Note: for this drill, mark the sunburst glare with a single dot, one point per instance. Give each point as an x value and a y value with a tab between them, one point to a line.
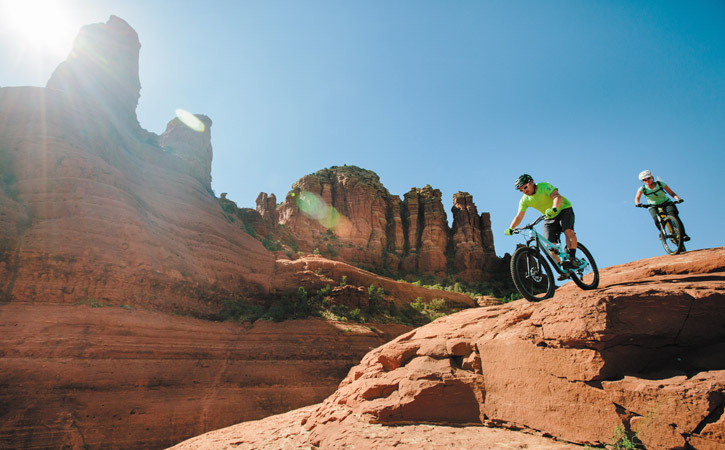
38	25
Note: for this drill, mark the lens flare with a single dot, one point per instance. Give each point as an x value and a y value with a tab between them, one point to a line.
190	120
315	207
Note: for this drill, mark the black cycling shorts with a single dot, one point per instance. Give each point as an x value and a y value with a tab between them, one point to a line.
554	227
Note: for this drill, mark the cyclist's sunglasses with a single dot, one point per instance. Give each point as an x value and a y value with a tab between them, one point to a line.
524	186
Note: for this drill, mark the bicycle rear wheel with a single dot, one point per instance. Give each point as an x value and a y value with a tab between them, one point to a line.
587	275
672	237
531	274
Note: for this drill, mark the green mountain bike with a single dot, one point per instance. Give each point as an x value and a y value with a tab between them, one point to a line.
532	274
670	227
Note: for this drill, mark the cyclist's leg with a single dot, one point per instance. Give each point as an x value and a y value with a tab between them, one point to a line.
552	230
566	221
653	213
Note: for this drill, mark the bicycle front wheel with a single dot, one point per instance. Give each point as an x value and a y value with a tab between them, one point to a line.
672	238
587	275
531	274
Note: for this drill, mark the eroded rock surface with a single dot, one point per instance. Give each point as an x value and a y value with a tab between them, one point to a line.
644	352
76	376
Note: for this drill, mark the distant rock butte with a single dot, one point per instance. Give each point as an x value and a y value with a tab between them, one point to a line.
645	352
346	213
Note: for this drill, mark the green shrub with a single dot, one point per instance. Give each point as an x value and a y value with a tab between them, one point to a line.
434	309
271	244
622	440
240	311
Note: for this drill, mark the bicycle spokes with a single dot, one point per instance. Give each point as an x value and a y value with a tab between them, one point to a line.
586	276
672	235
531	275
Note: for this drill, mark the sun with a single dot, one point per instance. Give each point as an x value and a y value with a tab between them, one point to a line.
39	25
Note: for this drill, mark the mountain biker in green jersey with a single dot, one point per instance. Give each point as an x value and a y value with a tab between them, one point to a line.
656	193
557	209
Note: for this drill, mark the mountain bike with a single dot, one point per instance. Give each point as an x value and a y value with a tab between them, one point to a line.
670	227
532	275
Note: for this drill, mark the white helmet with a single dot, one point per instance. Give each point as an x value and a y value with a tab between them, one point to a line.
644	174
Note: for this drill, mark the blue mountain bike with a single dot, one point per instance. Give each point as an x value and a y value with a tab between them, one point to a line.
532	275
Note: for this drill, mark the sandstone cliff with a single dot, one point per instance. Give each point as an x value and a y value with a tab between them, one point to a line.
346	213
95	207
94	376
644	353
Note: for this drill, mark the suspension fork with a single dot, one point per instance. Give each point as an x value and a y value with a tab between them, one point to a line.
661	214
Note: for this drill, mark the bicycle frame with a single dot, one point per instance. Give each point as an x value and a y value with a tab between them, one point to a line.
548	246
661	213
660	218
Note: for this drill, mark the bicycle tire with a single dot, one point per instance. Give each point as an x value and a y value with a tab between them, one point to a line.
531	274
589	280
672	235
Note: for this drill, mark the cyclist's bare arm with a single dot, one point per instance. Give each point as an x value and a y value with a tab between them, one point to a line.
557	198
517	220
672	194
637	197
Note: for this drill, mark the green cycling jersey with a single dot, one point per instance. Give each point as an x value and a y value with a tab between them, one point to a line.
541	199
657	195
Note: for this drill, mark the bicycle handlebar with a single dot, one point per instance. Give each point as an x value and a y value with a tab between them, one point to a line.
668	202
527	227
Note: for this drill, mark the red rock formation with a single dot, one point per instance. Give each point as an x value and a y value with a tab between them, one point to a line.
267	208
94	207
346	213
428	238
644	352
102	71
340	211
468	252
76	376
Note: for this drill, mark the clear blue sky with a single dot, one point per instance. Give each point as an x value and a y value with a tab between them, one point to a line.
461	95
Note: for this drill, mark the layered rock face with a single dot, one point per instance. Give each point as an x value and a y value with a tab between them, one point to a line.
94	207
643	353
346	213
74	376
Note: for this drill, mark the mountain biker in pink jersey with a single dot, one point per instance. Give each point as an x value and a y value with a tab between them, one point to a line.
557	209
656	193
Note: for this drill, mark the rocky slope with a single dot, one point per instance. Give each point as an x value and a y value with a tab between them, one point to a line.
644	352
